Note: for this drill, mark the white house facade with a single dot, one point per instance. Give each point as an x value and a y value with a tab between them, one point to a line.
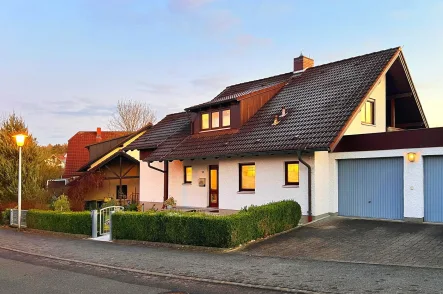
347	138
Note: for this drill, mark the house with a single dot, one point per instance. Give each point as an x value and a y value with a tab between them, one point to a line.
77	154
57	160
118	170
347	137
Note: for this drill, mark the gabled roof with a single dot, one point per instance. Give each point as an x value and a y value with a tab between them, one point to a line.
112	147
233	92
77	154
165	129
118	154
319	102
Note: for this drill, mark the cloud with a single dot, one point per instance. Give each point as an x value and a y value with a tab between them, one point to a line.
217	82
156	88
222	21
247	40
77	106
184	5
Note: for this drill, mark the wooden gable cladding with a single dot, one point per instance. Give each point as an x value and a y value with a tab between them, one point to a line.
251	103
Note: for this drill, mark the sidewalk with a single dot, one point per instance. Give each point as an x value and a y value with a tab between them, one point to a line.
234	267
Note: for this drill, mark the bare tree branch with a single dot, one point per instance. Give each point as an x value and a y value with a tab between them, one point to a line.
131	116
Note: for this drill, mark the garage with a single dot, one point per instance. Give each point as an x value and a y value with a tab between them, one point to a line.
371	188
433	188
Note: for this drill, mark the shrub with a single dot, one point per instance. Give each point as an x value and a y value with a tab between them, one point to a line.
62	203
207	230
4	217
57	221
132	207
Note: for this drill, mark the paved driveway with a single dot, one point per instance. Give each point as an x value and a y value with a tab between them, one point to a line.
355	240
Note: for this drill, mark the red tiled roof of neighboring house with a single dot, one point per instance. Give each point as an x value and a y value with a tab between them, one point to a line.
77	154
319	102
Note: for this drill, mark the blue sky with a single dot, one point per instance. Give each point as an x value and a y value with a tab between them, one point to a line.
65	64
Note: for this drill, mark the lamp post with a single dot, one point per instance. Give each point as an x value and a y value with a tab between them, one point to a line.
20	140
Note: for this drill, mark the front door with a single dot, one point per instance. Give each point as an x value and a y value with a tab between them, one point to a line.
213	186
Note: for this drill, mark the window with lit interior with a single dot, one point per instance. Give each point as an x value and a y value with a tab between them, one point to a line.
188	174
247	176
291	173
205	121
216	119
367	112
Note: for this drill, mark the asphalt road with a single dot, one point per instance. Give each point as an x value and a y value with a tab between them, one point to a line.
147	265
21	273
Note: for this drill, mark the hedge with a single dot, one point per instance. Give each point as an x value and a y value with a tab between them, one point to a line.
207	230
65	222
4	217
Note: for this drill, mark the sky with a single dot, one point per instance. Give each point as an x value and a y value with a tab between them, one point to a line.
65	64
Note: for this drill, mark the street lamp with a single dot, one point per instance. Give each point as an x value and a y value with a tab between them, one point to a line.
20	140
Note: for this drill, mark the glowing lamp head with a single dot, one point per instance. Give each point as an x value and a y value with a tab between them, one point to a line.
20	139
411	156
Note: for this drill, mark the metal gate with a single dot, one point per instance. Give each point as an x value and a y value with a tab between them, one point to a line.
105	218
433	188
371	188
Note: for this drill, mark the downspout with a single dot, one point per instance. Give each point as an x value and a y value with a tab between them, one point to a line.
299	154
165	172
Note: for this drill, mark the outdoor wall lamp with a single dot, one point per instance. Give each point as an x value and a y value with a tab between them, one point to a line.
411	156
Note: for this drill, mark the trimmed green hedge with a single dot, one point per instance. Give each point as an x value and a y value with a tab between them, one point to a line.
65	222
204	229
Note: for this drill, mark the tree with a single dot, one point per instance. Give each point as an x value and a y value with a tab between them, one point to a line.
31	162
131	116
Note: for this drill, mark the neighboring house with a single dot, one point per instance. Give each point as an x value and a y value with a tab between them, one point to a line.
78	155
120	170
57	160
347	137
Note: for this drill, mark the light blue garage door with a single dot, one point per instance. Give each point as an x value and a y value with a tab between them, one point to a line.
371	188
433	187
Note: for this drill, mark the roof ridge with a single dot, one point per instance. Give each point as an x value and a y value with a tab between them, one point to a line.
354	57
286	73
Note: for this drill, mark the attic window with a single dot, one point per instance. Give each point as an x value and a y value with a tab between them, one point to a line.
215	119
367	112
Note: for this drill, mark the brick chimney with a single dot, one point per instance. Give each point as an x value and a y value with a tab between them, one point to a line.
302	62
99	135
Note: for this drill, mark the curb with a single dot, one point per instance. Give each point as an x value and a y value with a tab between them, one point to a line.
164	275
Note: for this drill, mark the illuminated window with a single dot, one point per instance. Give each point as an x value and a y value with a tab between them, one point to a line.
205	121
215	120
188	174
291	173
247	177
367	112
226	118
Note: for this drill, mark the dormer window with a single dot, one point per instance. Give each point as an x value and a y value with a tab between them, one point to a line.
216	119
205	121
226	118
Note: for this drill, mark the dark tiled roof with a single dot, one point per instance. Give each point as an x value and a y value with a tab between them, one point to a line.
319	102
78	155
160	132
233	92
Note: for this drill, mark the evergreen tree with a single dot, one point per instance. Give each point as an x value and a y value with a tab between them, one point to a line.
31	162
